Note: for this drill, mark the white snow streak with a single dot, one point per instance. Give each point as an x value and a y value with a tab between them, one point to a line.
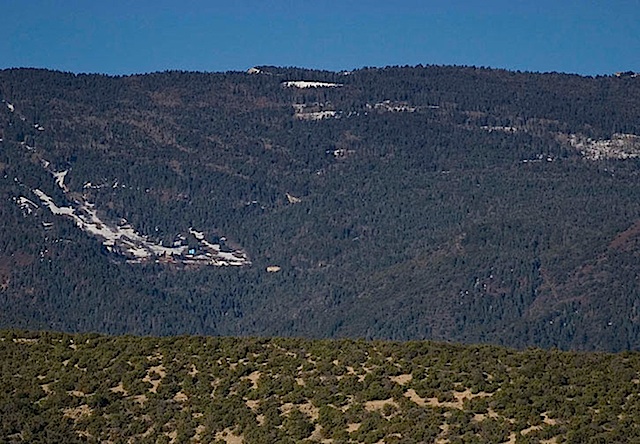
60	179
306	84
125	240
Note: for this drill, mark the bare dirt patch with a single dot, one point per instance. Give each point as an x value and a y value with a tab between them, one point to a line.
412	395
199	432
401	379
379	405
479	417
308	409
548	420
119	389
444	430
140	399
227	436
253	377
172	435
252	403
155	382
460	397
77	393
180	397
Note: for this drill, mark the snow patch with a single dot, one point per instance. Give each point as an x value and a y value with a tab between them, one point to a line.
213	254
293	199
392	106
315	111
26	205
307	84
125	240
197	234
504	129
48	202
620	146
60	179
319	115
125	237
340	153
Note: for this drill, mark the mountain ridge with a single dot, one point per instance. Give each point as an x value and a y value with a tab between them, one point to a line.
433	202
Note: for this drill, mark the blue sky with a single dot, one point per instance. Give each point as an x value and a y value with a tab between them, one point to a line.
124	37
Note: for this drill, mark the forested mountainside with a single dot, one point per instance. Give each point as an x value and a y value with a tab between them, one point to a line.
58	387
453	203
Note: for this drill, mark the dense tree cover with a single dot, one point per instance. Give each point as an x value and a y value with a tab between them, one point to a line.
438	202
58	387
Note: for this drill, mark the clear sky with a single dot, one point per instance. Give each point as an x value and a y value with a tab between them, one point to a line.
122	37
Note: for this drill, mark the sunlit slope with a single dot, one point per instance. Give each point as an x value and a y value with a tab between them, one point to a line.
90	388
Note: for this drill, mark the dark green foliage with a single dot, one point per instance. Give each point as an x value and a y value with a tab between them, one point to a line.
194	389
441	203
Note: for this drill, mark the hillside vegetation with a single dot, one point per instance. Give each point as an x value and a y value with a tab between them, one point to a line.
89	388
448	203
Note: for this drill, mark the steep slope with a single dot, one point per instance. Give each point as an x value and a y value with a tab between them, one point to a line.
405	203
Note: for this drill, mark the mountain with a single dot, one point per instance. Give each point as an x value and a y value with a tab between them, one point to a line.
449	203
89	388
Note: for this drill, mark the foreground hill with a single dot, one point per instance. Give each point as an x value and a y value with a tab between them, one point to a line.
401	203
90	388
